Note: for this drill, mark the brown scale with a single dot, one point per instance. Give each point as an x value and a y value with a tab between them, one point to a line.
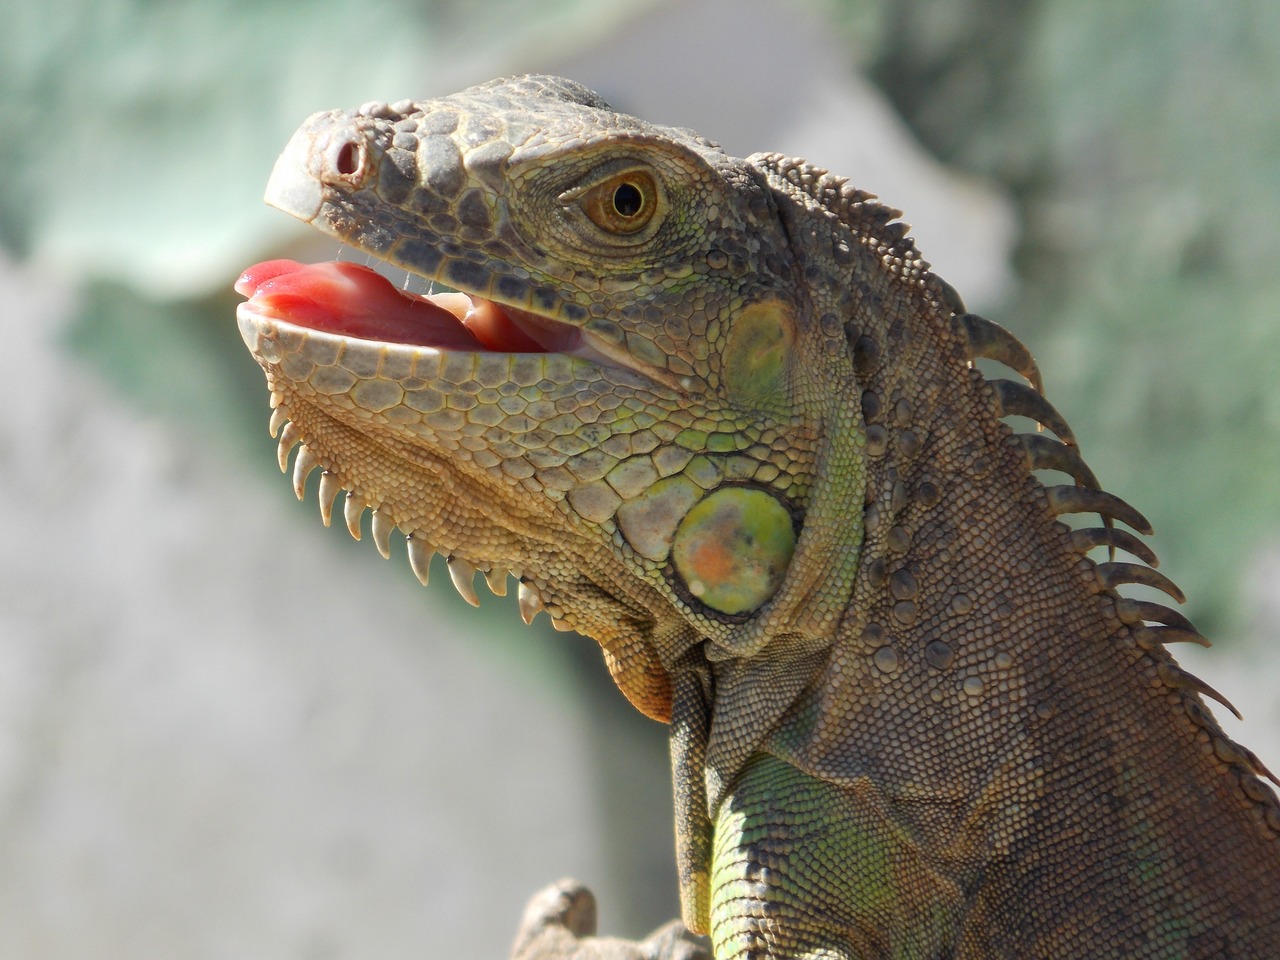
1138	631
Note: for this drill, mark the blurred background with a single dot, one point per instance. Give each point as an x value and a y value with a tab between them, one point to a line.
227	732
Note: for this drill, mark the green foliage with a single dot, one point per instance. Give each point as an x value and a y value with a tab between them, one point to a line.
135	135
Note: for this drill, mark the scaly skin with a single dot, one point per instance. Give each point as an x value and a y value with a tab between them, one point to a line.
911	717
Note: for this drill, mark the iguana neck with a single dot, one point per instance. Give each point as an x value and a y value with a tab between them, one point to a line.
971	594
865	468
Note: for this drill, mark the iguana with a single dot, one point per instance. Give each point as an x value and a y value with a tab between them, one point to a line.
719	415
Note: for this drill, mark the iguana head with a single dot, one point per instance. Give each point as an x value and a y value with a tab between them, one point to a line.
637	408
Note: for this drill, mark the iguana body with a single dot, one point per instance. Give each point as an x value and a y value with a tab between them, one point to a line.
718	415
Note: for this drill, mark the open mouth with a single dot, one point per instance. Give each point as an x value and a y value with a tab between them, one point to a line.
350	300
356	301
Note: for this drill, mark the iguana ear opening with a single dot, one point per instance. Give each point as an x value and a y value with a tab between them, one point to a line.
732	550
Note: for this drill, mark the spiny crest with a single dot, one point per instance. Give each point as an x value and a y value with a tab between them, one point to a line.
420	551
1151	626
877	225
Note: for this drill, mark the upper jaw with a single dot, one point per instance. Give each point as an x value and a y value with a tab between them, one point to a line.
327	176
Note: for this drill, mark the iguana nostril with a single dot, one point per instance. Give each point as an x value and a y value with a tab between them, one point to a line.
346	158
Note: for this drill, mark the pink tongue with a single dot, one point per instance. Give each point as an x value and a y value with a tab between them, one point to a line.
351	300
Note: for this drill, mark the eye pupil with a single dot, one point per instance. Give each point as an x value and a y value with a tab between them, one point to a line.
627	200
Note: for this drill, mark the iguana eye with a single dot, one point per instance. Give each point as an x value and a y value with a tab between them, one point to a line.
623	204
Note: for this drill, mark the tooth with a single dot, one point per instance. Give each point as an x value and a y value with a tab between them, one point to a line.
303	464
382	527
496	578
461	572
278	420
530	601
288	437
277	398
352	511
329	487
420	554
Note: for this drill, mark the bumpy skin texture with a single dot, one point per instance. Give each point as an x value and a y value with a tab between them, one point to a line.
911	714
